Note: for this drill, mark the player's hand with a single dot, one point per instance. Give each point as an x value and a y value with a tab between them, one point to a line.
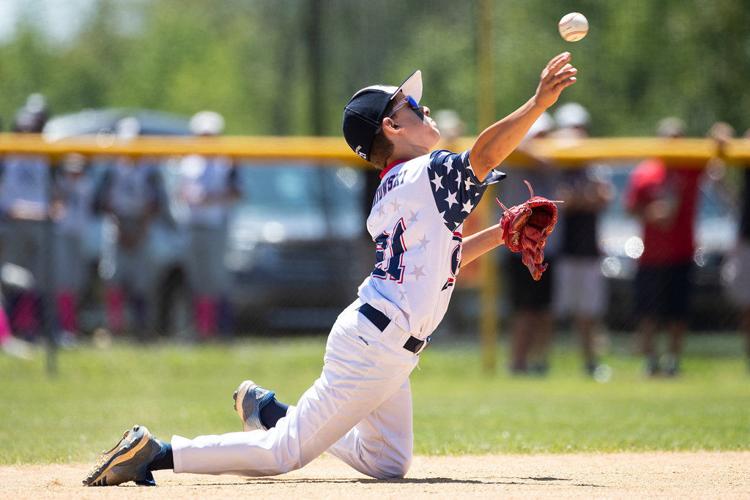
558	75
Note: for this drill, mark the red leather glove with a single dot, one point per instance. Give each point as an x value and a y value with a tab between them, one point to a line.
526	228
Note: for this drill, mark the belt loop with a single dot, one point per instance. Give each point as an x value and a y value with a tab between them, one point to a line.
415	345
381	322
377	318
424	345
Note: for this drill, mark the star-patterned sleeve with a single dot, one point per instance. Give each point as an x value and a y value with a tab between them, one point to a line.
455	188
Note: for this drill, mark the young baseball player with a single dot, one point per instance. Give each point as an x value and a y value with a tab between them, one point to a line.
24	208
360	408
131	194
209	186
72	195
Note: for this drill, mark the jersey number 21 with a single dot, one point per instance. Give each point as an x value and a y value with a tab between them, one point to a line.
389	250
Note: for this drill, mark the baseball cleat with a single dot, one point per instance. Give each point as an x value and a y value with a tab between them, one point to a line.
249	399
127	461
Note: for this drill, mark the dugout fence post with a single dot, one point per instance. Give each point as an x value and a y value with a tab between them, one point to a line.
489	285
48	281
48	308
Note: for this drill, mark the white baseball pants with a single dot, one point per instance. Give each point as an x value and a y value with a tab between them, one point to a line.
360	410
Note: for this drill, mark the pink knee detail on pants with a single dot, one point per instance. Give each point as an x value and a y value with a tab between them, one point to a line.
115	300
206	309
5	331
25	315
66	310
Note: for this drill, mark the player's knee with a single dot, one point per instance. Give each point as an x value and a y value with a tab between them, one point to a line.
395	471
395	467
288	465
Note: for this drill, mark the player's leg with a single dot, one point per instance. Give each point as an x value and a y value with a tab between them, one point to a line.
382	444
738	267
23	315
206	269
564	288
8	343
590	309
142	286
363	368
40	250
112	268
542	323
648	294
197	274
582	320
520	342
677	294
569	291
521	298
36	253
67	271
221	282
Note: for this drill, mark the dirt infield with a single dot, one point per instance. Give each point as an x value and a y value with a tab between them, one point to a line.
666	475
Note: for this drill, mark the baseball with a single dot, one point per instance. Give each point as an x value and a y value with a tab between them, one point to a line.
573	26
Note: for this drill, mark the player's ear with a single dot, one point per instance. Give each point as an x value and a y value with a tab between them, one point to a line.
390	127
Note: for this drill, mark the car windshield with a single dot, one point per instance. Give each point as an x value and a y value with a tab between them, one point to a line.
277	188
303	194
95	121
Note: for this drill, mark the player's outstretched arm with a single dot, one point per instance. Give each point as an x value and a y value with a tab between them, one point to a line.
497	141
477	244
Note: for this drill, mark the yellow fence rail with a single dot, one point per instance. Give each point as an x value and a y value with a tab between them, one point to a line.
334	149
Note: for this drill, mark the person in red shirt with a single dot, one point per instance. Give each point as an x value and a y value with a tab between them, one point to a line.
664	199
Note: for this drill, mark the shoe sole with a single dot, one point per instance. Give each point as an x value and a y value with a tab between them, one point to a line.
117	457
239	397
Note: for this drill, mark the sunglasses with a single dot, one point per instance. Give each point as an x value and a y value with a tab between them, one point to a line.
413	105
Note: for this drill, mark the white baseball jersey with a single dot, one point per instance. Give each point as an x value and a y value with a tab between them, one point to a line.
202	176
25	179
76	195
416	222
132	188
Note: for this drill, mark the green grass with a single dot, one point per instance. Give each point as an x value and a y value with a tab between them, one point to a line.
457	409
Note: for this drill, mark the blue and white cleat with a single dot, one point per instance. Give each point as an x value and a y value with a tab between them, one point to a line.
249	399
127	461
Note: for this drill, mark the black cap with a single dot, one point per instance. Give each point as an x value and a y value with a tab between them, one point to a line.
364	112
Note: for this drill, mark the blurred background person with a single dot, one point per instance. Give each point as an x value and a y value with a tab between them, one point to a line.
451	127
131	193
9	344
580	288
737	269
24	203
664	200
209	186
532	324
72	196
6	334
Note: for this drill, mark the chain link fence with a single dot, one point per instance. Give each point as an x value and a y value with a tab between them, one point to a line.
200	247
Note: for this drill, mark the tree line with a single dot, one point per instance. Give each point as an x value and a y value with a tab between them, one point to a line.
289	66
